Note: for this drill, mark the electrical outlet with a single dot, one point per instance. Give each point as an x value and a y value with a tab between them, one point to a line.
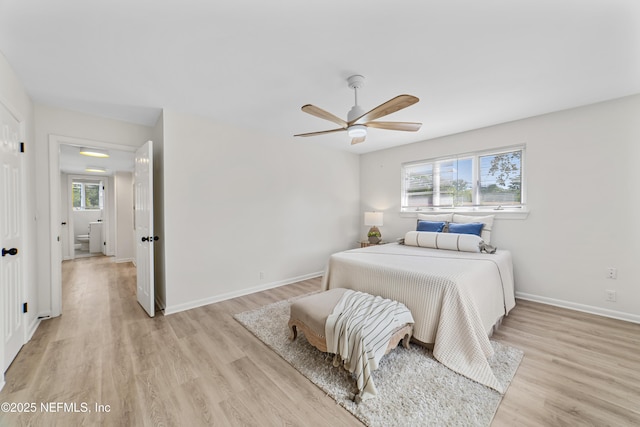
611	295
261	275
612	273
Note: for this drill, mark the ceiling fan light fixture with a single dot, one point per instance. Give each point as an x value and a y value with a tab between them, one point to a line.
357	131
94	152
358	120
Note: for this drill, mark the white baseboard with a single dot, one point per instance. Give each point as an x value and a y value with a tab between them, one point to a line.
620	315
239	293
30	331
123	260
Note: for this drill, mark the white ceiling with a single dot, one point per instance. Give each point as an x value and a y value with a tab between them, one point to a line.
72	162
255	63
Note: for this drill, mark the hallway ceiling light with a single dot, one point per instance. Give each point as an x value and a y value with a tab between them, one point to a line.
96	169
94	152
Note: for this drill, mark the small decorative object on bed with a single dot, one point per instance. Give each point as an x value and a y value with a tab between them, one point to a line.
373	219
448	241
456	298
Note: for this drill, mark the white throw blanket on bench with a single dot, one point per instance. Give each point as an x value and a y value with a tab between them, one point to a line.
359	330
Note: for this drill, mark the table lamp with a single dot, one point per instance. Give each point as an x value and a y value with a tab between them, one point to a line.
373	219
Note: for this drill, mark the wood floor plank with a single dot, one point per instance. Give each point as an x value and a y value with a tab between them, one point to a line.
201	367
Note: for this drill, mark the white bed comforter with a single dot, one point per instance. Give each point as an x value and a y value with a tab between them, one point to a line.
455	297
358	331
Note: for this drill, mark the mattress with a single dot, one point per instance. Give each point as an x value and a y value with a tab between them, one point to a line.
455	297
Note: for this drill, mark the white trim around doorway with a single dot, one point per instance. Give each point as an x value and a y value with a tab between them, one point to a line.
55	141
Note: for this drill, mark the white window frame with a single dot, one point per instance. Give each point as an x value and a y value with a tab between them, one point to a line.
83	206
519	208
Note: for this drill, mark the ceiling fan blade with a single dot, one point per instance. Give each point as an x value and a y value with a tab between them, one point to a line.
391	106
319	112
320	133
405	126
358	140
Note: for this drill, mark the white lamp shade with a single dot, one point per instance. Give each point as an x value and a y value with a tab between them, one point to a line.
373	218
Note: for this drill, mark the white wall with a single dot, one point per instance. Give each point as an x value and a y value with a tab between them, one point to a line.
238	203
561	251
81	220
123	224
56	121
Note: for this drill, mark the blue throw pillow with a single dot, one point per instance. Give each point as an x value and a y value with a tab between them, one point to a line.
466	228
433	226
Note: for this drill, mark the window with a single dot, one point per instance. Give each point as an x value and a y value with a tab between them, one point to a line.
472	180
87	195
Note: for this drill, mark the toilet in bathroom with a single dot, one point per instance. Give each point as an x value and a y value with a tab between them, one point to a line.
82	242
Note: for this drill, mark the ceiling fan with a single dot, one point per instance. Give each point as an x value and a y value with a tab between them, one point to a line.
358	120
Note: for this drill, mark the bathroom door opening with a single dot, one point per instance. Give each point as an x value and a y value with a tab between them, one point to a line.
118	204
87	216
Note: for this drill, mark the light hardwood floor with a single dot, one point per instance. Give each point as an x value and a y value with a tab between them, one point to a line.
201	367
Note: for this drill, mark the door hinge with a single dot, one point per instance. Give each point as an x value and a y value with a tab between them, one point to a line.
22	147
25	307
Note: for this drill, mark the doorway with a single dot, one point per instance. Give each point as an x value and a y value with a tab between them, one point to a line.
114	176
87	208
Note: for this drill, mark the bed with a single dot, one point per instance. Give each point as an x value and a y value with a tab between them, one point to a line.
456	298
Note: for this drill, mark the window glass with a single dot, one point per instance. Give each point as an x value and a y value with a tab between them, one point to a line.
501	179
77	195
87	195
473	179
92	196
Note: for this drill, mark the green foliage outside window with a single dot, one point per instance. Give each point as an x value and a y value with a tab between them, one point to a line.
473	179
86	196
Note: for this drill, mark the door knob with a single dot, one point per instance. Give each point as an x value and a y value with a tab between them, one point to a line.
155	238
12	251
145	239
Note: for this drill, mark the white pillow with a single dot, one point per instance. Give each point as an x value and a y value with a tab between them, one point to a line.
449	241
436	217
486	220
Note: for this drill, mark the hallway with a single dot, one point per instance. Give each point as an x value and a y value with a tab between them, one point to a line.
198	367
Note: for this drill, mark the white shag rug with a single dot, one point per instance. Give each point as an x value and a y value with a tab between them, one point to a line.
413	388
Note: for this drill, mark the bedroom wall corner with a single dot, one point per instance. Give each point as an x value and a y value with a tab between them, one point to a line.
245	211
57	121
582	195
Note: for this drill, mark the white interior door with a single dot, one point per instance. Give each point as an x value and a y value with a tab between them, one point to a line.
143	185
11	279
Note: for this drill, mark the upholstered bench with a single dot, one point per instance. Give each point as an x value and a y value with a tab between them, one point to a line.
309	314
